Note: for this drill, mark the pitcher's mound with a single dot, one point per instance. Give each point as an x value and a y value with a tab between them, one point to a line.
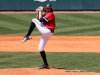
36	71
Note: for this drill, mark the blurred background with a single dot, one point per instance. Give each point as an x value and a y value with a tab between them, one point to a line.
59	5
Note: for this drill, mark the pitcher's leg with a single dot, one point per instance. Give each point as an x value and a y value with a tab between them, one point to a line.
32	26
27	37
42	44
45	65
39	25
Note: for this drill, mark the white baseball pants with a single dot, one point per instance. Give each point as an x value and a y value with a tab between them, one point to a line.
46	34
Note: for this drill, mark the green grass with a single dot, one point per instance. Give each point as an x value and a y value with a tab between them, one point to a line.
72	24
84	24
77	61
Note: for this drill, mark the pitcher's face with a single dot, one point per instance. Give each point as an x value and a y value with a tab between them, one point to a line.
48	10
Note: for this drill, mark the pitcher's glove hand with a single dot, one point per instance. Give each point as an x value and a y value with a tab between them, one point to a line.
40	8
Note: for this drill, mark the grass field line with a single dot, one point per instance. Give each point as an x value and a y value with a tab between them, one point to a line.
97	33
24	33
12	25
60	24
67	24
21	17
72	18
76	28
92	15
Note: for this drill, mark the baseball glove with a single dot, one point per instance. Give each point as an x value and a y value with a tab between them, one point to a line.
40	8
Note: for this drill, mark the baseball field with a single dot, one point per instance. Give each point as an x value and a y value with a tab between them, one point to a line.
74	48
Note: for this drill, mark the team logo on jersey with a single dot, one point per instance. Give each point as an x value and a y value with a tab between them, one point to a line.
44	0
46	16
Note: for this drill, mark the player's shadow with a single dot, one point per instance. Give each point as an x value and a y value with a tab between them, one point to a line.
61	68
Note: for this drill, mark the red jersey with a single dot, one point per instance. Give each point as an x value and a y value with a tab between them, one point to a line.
50	21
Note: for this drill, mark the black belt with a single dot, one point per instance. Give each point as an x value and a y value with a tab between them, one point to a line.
51	31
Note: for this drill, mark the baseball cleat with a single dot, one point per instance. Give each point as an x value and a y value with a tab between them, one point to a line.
44	66
26	38
30	37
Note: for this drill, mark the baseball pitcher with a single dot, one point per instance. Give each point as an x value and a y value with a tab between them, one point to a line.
46	26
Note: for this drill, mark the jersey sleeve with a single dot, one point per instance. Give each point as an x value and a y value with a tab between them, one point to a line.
42	19
48	17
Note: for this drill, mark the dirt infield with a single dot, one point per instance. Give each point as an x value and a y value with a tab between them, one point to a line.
5	12
55	44
36	71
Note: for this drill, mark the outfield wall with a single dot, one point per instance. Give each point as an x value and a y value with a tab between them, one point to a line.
56	4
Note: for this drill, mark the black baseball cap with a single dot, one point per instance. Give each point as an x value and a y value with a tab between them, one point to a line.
48	6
